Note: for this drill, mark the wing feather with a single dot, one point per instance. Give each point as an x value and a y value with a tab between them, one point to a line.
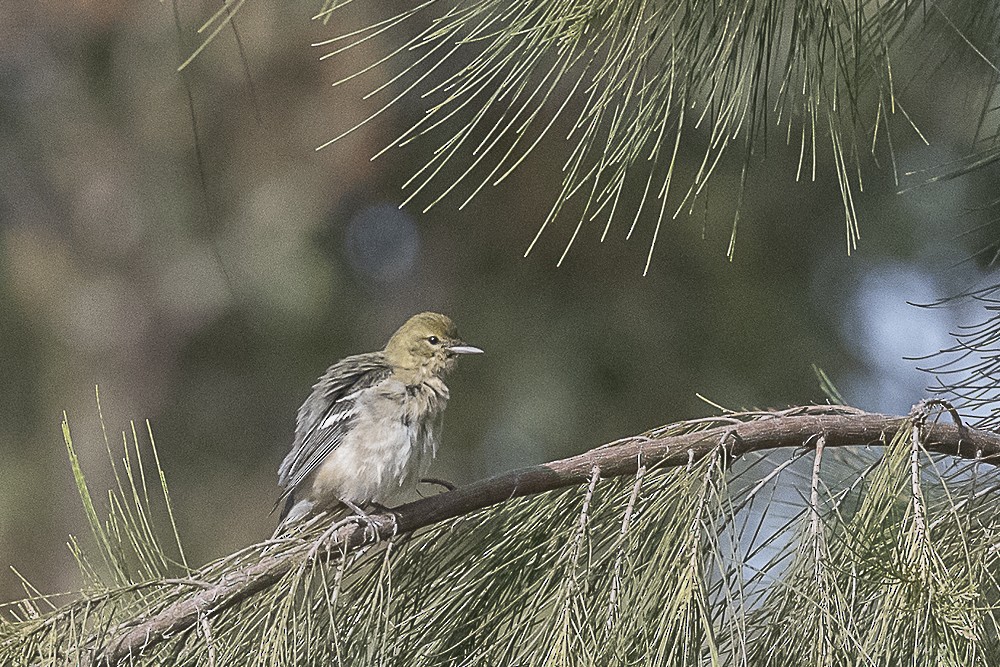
328	415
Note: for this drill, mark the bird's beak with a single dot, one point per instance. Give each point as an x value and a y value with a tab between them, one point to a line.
462	348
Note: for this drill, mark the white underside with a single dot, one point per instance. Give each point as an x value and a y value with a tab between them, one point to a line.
386	452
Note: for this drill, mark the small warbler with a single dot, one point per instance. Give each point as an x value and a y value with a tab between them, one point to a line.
371	425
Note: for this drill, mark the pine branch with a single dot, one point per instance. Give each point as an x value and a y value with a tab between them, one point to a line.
797	427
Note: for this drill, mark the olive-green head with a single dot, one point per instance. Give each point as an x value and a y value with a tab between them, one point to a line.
427	344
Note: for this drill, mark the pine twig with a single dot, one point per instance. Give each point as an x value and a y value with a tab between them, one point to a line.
838	426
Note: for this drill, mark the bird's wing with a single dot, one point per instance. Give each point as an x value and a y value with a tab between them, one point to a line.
328	415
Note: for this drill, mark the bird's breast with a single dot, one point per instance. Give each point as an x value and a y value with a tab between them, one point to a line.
388	449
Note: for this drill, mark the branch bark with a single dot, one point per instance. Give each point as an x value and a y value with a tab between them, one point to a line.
797	427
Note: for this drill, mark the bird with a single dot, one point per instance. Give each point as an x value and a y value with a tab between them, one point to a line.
371	425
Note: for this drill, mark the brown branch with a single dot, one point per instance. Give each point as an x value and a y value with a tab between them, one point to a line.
839	427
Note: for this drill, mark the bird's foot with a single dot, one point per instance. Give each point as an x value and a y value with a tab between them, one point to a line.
323	541
388	511
439	482
371	523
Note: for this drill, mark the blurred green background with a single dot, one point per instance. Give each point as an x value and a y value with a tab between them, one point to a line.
205	286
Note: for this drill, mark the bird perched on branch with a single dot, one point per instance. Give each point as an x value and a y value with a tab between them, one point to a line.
370	427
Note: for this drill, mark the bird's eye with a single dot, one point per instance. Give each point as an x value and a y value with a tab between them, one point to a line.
433	340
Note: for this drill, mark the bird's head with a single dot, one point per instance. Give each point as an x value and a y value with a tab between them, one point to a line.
427	344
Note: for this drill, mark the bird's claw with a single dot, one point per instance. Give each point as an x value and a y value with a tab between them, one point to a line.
372	525
393	517
324	539
439	482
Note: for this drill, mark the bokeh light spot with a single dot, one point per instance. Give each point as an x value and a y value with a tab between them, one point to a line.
382	243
